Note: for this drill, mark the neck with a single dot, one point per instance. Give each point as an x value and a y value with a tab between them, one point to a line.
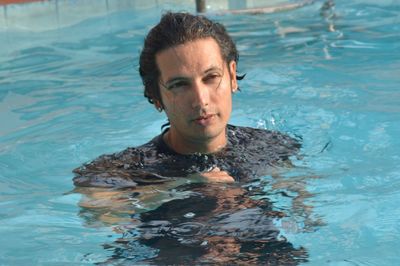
184	145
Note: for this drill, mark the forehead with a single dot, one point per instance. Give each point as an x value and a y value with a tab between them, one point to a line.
189	58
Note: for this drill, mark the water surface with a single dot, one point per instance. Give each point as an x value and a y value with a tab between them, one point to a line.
329	76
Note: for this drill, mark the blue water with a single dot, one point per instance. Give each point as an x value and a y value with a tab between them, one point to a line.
70	94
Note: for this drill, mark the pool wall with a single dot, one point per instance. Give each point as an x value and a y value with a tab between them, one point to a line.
49	15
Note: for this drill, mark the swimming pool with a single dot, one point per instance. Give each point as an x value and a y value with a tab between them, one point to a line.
331	76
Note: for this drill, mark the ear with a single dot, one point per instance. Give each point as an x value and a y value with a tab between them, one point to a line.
232	74
158	105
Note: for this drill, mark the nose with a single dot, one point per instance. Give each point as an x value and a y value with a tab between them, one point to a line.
200	95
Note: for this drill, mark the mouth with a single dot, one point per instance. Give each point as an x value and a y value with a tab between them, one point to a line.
204	120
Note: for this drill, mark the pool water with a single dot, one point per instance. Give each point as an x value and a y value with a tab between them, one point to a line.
330	76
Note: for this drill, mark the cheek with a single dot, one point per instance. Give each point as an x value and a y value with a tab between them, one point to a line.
228	106
172	104
225	100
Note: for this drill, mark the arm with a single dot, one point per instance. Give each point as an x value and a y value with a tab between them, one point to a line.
111	206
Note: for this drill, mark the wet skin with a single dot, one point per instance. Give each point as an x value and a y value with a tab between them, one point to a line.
196	86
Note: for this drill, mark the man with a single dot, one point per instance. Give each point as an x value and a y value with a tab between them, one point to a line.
188	68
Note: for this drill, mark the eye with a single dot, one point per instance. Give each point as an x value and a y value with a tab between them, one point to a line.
178	85
212	78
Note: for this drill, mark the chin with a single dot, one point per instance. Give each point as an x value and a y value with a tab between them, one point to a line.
210	131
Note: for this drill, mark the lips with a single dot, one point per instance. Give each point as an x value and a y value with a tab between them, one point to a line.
204	119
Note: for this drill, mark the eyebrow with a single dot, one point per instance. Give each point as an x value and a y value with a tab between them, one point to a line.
185	78
213	68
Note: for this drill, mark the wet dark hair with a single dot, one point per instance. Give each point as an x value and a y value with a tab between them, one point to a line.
172	30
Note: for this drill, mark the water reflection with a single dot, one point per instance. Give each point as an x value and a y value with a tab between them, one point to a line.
203	223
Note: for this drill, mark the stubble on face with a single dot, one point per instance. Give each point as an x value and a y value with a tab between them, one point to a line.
198	115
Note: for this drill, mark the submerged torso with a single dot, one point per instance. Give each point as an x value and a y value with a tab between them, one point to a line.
249	153
228	224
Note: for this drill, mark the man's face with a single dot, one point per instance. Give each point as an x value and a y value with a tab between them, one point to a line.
196	87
